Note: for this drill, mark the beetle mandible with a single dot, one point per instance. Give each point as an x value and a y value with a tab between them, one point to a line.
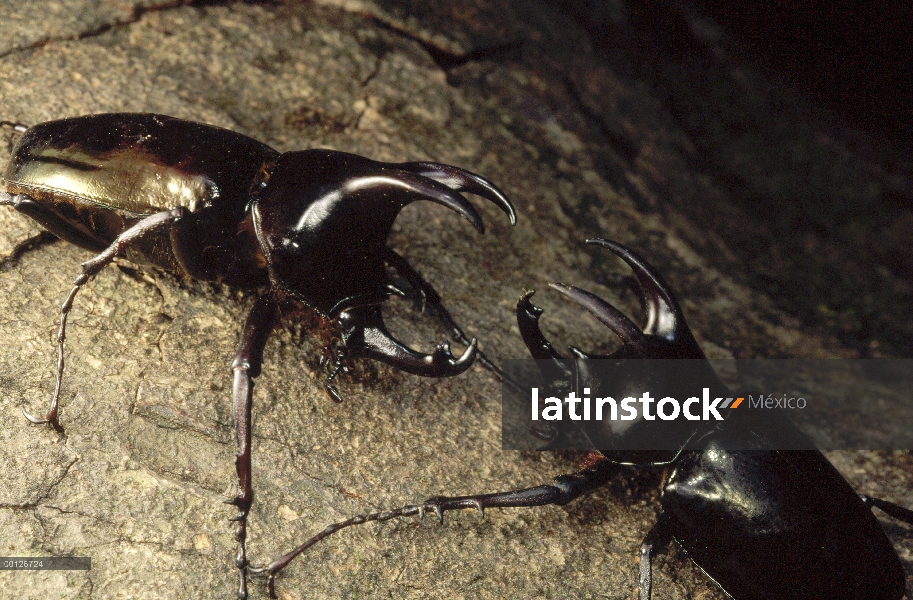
211	204
762	522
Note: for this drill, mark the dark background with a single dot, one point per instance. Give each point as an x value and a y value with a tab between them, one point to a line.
852	57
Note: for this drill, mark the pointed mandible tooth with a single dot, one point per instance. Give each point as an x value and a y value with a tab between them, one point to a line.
463	181
664	316
607	314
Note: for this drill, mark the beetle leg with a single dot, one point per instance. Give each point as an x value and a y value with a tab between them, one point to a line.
335	367
90	268
53	222
656	539
246	366
565	489
898	512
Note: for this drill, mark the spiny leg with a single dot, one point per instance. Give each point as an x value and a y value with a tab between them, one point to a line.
262	319
91	268
656	539
565	489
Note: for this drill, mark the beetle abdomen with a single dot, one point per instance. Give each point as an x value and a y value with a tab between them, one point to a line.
102	173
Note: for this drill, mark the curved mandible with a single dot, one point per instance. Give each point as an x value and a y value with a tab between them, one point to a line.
664	316
365	334
463	181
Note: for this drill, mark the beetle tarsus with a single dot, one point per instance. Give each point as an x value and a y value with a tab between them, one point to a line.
50	419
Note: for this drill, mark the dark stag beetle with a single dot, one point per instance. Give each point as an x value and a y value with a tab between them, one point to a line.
763	523
215	205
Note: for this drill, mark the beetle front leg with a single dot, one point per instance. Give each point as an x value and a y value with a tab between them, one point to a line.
246	366
656	539
565	489
91	268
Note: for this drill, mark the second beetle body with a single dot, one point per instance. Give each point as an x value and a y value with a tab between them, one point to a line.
749	498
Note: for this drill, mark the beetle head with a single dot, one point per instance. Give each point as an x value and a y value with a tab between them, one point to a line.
622	373
323	218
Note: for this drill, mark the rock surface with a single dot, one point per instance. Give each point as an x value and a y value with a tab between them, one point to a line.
587	126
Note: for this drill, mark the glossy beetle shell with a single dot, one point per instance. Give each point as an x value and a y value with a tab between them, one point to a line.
103	173
769	524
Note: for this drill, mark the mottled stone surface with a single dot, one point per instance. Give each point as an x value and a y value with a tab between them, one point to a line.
586	124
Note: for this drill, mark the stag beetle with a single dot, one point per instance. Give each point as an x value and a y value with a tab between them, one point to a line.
211	204
761	522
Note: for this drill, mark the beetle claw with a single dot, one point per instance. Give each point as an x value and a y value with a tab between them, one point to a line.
50	419
365	334
34	420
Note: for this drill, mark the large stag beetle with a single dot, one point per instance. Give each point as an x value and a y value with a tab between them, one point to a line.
309	227
762	522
